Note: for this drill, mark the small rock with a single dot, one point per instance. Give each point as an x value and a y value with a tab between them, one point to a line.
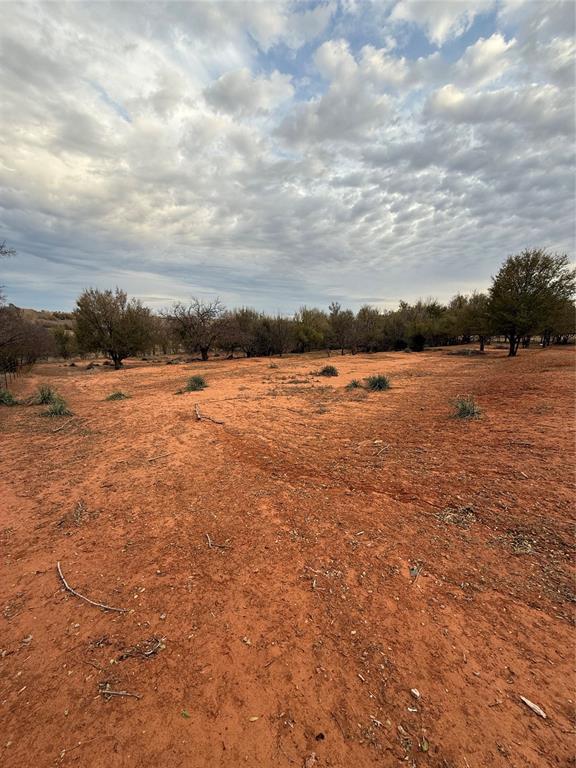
415	692
162	616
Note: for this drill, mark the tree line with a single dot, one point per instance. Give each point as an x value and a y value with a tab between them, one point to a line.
531	295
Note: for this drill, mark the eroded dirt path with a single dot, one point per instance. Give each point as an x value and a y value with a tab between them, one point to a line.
372	545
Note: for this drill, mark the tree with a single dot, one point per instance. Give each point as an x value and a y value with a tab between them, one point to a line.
341	326
527	290
107	322
64	341
311	329
196	326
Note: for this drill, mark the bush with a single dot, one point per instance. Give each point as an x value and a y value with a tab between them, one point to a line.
272	365
195	384
378	383
7	398
58	407
354	384
118	396
328	370
45	396
466	408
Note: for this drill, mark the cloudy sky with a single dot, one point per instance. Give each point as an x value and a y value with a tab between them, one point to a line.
279	153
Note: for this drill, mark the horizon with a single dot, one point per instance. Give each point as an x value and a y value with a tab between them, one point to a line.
282	154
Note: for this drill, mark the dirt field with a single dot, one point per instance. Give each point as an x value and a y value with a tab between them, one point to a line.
291	574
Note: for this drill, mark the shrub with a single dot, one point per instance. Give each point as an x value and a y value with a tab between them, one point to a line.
378	383
328	370
466	408
45	396
195	384
354	384
7	398
118	396
58	407
272	365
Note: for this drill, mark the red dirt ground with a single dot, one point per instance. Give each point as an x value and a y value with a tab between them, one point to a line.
299	643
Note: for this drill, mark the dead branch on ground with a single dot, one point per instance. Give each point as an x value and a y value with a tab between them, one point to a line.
200	416
86	599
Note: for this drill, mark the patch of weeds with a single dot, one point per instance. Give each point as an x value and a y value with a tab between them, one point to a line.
328	370
354	384
7	398
272	365
58	407
118	396
195	384
378	383
45	396
461	516
465	407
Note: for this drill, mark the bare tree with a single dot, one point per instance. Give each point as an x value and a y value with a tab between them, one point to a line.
196	326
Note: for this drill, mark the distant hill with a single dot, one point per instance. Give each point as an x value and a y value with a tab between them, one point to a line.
49	320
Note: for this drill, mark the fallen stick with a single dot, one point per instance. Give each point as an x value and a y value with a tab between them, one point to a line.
105	692
199	416
162	456
86	599
73	423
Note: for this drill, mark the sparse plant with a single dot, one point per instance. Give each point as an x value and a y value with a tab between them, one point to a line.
195	384
466	408
354	384
58	407
7	398
118	395
328	370
378	383
272	365
46	395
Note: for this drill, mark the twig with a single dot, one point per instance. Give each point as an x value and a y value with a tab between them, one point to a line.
74	424
213	544
162	456
338	724
106	692
87	599
199	416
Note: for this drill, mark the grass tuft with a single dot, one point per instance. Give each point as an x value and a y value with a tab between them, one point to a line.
354	384
7	398
118	395
378	383
465	407
45	396
58	407
195	384
328	370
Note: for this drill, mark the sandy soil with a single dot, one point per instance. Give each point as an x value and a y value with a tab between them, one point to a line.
370	545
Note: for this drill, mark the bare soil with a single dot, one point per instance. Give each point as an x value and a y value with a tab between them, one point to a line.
291	574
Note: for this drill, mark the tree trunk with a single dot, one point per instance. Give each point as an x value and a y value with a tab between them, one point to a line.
342	352
204	353
481	343
513	345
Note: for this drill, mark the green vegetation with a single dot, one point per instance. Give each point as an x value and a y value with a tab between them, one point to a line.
328	370
118	395
7	398
195	384
466	408
354	384
58	407
45	396
378	383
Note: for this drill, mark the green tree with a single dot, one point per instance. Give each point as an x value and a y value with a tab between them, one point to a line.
107	322
64	341
528	289
341	326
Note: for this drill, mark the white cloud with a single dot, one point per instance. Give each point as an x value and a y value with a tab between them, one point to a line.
442	20
242	94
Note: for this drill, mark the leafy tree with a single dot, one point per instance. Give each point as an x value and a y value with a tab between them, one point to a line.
196	324
107	322
527	290
64	341
341	326
368	328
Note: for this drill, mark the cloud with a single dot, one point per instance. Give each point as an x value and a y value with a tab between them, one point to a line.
242	94
279	153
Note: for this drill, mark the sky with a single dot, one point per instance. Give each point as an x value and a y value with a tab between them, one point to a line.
280	154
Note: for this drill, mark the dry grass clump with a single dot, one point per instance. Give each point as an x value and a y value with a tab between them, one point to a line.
465	407
378	383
